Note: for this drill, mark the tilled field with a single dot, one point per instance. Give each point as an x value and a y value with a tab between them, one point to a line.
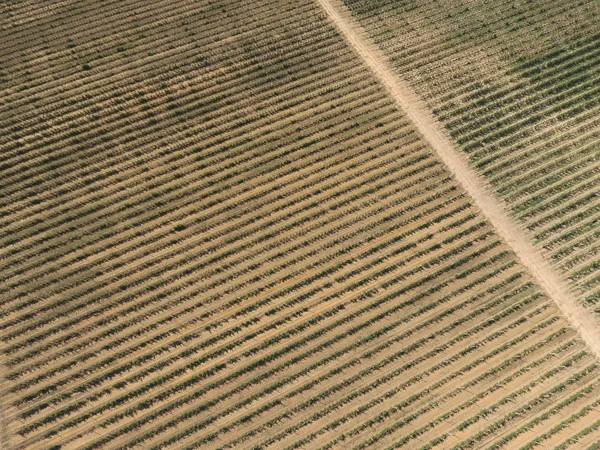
218	231
517	85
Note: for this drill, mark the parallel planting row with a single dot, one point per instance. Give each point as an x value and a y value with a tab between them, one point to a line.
219	232
518	86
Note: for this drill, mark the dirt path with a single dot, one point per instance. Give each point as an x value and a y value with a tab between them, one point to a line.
482	195
4	442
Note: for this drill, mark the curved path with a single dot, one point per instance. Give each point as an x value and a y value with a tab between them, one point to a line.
431	130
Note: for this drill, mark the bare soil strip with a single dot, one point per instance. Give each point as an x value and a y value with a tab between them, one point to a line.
481	194
4	443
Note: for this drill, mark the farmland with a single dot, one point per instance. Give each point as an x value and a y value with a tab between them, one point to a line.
220	231
516	84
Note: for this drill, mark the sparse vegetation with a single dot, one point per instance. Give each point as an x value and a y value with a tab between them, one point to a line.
233	238
517	86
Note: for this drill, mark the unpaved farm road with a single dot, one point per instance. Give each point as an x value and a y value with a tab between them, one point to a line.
431	130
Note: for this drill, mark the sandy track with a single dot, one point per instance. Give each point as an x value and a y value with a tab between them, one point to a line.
4	441
432	132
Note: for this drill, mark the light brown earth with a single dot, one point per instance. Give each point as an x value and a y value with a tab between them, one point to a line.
332	285
431	130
